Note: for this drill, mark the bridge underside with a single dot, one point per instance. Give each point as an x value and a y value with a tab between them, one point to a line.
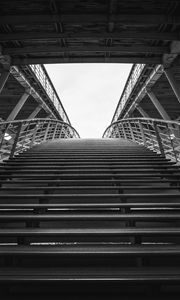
88	31
10	97
162	91
166	98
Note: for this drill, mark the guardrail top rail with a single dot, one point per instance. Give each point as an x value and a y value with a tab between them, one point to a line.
158	135
18	136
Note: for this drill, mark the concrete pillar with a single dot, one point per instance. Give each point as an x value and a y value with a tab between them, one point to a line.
158	105
3	78
35	112
18	106
142	112
174	84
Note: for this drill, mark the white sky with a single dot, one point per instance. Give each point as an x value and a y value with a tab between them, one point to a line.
89	93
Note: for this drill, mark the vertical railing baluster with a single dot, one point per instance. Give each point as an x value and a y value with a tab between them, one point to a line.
142	133
13	150
34	135
160	144
54	133
131	131
171	142
46	131
124	131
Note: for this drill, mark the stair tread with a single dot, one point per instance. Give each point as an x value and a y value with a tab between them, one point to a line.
89	205
91	196
93	216
90	249
112	181
89	231
87	187
93	274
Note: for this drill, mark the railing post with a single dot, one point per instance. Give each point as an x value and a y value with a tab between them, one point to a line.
161	148
54	133
3	135
34	135
46	132
61	130
16	140
171	141
131	130
118	132
124	132
142	133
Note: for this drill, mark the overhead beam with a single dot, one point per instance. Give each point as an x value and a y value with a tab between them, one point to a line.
132	35
18	106
158	105
142	112
35	112
61	60
172	81
128	19
17	74
3	78
89	49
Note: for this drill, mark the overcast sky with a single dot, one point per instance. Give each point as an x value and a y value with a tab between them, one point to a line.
89	93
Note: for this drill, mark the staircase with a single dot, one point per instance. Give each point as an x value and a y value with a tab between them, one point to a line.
89	219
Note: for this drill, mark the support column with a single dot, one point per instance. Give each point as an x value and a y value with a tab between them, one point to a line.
35	112
158	105
173	83
18	106
3	78
142	112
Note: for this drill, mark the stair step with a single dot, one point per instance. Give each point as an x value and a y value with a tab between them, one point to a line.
86	159
93	167
135	275
63	169
89	205
91	188
97	164
89	232
94	181
95	197
90	249
91	175
155	217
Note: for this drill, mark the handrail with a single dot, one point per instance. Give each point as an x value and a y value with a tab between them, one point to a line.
157	135
18	136
134	74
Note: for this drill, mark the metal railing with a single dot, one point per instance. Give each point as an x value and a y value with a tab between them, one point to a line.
160	136
18	136
43	77
134	75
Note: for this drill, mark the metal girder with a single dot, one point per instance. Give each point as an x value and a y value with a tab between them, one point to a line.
152	79
132	35
89	49
128	19
158	105
22	80
18	106
172	81
3	78
80	59
142	112
35	112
